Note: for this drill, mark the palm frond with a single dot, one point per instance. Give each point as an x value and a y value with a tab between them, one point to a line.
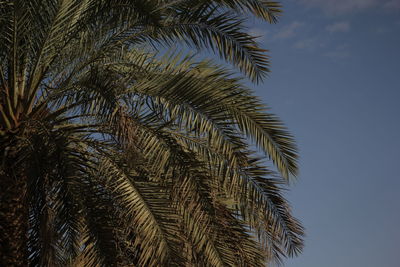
135	157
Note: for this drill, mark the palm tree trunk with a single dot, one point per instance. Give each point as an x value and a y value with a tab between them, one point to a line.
13	220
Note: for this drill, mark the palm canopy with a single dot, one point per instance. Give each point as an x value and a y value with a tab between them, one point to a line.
117	155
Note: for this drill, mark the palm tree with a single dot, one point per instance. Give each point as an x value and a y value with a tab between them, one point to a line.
113	153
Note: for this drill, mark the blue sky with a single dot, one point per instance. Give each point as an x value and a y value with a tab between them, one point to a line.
335	82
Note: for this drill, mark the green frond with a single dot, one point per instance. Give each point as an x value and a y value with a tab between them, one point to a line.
133	157
264	9
221	33
144	214
204	95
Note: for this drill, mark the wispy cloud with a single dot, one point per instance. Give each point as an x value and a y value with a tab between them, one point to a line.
392	4
308	44
340	52
381	30
348	6
288	31
340	6
341	26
